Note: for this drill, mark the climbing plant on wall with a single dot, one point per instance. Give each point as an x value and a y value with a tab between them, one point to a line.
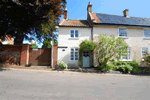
85	45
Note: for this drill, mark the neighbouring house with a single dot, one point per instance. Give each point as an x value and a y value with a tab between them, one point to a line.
8	39
134	30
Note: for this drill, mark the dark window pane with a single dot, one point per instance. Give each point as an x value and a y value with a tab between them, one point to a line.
147	33
72	33
76	33
122	32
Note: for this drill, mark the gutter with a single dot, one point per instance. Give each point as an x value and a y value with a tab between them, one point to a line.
111	24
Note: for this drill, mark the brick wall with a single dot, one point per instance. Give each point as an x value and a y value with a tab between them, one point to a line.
55	52
10	53
26	55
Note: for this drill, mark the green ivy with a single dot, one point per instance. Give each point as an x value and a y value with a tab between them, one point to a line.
34	45
85	45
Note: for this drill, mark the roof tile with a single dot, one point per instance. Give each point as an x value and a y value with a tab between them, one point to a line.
72	22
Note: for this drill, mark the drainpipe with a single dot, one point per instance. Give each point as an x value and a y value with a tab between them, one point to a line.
92	51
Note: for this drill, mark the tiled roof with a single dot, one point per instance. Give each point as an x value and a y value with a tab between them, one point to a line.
115	19
96	18
75	23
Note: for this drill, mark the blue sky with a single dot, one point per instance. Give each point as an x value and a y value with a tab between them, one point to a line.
77	9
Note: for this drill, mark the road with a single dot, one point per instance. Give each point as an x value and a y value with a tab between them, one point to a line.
44	85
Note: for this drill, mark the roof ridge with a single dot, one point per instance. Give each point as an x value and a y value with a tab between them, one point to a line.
123	16
76	19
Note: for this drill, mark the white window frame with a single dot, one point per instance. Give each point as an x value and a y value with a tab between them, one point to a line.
142	52
74	33
144	33
123	36
128	55
74	54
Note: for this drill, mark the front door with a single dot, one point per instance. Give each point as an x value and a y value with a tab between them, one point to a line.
86	59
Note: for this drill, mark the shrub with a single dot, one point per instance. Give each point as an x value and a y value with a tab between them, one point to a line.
63	65
101	67
110	67
107	67
108	48
134	63
117	63
147	59
136	70
125	68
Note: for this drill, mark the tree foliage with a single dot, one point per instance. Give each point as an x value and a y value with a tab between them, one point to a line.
108	48
47	44
35	17
34	45
147	59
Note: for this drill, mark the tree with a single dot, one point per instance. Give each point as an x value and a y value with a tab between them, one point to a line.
35	17
47	44
34	45
108	48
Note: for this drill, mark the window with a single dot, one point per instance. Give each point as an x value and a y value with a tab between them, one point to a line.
147	33
127	55
122	32
144	51
74	34
74	54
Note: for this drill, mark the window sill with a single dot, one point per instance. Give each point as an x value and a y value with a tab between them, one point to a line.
123	37
73	60
125	60
146	38
73	39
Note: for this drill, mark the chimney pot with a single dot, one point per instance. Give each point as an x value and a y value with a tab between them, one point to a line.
89	7
126	13
65	13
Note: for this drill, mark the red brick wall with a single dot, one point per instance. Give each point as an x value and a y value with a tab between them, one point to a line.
10	53
25	55
55	52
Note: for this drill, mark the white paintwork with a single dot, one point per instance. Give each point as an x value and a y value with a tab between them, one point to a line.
52	54
135	39
65	40
5	42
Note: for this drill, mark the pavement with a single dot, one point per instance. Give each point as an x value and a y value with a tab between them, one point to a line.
26	84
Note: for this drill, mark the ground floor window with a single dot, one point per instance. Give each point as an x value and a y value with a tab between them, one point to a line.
127	56
74	54
144	51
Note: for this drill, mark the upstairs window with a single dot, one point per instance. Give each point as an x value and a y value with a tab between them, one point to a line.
122	32
144	51
74	34
147	33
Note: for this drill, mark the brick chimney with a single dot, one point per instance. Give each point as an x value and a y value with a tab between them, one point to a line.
89	7
65	13
126	13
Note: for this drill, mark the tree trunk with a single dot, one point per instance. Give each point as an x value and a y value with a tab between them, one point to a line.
19	39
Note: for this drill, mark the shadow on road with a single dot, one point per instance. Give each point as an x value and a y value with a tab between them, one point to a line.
2	69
